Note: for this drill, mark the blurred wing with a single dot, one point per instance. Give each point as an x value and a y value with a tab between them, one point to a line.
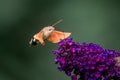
39	36
56	36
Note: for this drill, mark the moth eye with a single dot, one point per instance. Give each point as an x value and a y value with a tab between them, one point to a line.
50	29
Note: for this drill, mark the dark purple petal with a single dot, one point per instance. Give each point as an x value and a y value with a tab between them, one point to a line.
68	73
101	67
97	74
73	50
92	67
60	68
74	77
62	60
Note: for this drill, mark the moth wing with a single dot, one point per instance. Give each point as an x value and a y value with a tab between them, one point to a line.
56	36
39	36
63	35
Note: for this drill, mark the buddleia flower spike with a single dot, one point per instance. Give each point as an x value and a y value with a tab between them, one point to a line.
87	61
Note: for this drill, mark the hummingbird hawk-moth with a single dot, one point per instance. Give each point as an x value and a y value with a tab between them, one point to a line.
49	33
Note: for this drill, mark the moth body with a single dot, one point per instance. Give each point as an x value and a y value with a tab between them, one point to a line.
47	31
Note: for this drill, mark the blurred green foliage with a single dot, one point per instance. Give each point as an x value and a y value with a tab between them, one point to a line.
96	21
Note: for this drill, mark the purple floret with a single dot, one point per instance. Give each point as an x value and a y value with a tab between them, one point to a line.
86	61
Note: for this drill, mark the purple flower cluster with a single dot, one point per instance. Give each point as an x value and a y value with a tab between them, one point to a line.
87	61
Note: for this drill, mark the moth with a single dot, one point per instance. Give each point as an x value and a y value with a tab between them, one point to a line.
49	33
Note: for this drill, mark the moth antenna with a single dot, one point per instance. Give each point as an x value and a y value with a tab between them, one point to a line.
57	22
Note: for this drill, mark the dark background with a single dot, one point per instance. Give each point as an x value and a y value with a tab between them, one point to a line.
96	21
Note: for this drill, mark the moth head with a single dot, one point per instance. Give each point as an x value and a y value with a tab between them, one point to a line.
49	29
33	42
